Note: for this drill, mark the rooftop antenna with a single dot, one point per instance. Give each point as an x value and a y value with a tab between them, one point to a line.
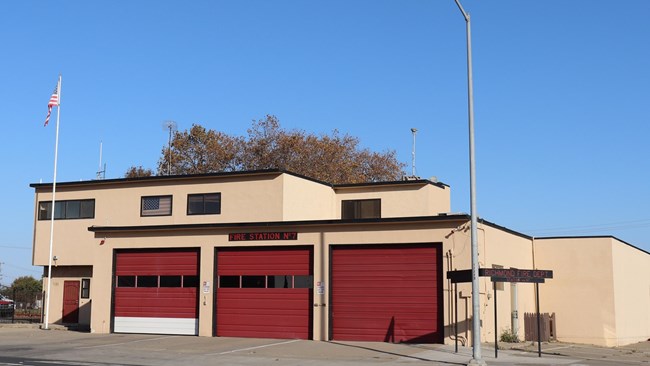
101	173
414	131
171	126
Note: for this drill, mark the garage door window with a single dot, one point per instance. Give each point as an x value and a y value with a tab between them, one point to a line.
147	281
270	281
170	281
280	282
303	282
125	281
253	281
190	281
158	281
229	281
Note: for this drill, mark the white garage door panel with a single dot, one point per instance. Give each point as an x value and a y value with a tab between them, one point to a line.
182	326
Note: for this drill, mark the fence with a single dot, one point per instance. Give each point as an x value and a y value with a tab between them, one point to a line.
26	307
547	322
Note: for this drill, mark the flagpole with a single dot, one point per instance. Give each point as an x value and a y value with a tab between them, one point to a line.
53	207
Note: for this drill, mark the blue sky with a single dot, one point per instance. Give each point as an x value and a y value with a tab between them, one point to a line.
561	96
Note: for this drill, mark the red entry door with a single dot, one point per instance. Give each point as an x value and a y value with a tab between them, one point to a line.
70	302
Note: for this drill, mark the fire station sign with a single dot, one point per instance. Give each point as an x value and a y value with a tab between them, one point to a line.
277	235
502	275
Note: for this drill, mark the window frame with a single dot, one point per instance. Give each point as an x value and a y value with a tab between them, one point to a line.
64	205
171	205
357	209
203	195
85	288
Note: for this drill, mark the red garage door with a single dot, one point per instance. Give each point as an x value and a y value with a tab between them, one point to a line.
264	293
387	293
156	292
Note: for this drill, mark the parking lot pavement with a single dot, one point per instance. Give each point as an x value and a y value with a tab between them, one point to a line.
30	346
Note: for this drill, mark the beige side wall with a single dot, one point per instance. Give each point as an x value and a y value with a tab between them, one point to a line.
632	293
72	240
307	200
495	247
498	247
402	199
581	293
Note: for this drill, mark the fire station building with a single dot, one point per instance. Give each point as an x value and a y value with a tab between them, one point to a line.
271	254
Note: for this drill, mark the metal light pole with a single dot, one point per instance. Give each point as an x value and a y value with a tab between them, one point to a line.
414	131
476	301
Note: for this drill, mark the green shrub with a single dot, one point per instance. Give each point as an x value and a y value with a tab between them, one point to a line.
509	336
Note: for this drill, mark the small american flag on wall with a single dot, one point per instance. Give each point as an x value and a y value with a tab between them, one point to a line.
54	102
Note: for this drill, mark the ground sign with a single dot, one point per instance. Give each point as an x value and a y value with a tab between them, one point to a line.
502	275
535	276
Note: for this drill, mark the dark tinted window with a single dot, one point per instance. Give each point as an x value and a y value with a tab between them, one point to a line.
361	209
279	282
204	204
125	281
303	282
147	281
190	281
85	288
170	281
229	281
253	281
87	209
71	209
59	210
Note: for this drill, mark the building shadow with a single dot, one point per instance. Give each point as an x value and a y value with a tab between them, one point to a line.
396	354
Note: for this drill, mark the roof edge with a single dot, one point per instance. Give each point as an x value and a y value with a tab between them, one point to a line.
395	182
591	237
273	171
414	219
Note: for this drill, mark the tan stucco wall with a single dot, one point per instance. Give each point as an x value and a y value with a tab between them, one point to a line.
631	293
243	200
306	200
402	199
498	247
581	293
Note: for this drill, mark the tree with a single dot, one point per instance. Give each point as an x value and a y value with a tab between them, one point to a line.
139	171
332	158
201	151
24	289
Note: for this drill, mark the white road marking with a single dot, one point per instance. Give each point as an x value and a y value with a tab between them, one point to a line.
554	348
68	363
252	348
122	343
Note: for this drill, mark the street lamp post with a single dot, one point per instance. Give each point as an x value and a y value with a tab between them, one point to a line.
476	303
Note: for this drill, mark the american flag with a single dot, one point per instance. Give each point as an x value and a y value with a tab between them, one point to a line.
54	102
